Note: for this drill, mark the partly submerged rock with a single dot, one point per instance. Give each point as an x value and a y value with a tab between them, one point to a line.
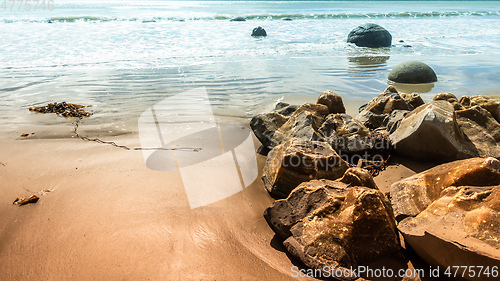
370	35
259	31
453	214
330	224
431	132
297	161
412	72
238	19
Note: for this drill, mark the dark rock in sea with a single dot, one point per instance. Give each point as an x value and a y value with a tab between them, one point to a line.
450	214
259	31
331	224
431	133
332	100
287	19
370	35
451	98
297	161
238	19
412	72
373	114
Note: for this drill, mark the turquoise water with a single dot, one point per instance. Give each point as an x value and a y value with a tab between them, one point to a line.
124	56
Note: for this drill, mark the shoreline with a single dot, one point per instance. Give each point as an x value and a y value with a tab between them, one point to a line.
106	215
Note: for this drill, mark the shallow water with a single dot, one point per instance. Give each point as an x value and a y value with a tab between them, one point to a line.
122	57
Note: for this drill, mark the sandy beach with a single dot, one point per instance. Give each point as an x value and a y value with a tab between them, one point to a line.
104	215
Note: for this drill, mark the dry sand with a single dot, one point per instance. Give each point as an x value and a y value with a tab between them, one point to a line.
108	217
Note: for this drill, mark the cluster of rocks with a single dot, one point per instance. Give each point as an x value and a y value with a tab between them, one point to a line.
63	109
331	213
336	225
450	215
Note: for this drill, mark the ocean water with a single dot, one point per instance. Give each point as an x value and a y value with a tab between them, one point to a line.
122	57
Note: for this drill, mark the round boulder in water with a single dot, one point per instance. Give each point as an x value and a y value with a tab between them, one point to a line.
412	72
238	19
259	31
370	35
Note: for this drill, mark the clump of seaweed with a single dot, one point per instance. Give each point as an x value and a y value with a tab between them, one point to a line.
63	109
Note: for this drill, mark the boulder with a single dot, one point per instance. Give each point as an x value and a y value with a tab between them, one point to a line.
332	101
412	72
370	35
259	31
345	134
482	129
450	214
373	114
431	133
330	224
451	98
490	103
264	125
296	161
414	194
302	124
392	121
414	99
238	19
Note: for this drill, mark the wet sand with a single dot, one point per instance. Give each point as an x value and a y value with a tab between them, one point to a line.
104	215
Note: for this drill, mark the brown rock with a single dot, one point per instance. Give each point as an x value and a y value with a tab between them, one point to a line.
372	115
345	134
413	195
414	99
462	227
482	129
351	228
454	216
333	101
490	103
431	133
296	161
451	98
303	124
358	177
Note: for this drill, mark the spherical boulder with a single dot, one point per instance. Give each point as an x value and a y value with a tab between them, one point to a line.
259	31
370	35
412	72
